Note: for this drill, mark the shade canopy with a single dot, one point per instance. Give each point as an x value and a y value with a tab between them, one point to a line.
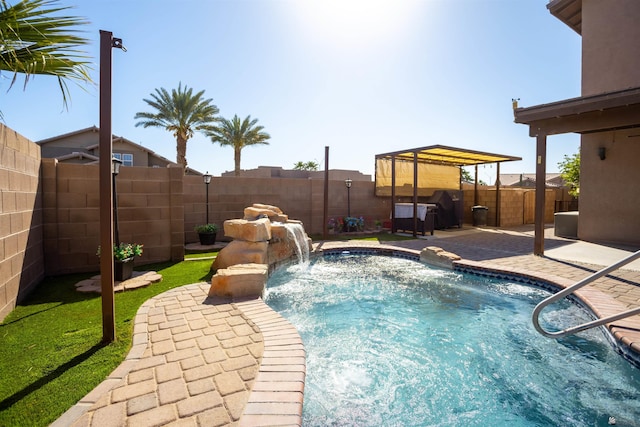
436	167
450	156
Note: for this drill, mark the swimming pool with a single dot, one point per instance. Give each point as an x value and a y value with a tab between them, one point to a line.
392	342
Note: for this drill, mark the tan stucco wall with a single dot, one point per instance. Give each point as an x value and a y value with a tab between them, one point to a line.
21	251
609	190
610	48
609	194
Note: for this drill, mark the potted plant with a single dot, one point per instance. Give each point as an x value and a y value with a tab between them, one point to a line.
353	224
207	233
123	255
332	225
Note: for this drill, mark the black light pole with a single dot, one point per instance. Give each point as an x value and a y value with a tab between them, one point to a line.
207	180
115	170
348	182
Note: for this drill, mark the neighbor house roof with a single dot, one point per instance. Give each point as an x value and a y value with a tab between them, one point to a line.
529	179
79	155
95	146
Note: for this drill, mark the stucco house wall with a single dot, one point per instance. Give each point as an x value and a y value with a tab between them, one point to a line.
610	48
609	190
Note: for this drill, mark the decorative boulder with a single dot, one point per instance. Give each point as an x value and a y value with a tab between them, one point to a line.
253	213
278	232
438	257
265	236
270	207
241	280
249	231
241	252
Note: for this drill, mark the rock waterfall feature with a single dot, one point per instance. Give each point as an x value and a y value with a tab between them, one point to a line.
263	239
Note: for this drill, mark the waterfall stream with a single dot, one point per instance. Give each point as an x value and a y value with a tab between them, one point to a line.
297	236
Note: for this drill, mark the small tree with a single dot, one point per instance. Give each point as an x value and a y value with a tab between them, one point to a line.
466	175
306	166
570	172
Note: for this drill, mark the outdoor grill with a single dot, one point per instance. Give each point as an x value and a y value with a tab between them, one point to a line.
450	208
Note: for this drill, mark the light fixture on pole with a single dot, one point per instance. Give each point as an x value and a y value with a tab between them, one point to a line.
207	180
115	170
348	182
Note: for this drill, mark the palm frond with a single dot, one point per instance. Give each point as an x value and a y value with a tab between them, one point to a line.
33	40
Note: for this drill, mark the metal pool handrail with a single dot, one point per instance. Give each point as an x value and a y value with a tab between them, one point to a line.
555	297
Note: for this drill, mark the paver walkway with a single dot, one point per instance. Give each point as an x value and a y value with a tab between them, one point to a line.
195	361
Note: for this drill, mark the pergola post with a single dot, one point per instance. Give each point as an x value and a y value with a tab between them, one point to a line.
498	195
325	210
415	194
393	194
541	162
475	187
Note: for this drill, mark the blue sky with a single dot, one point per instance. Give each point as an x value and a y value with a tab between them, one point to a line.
360	76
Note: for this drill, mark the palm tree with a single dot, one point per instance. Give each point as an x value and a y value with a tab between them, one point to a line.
34	41
238	134
182	113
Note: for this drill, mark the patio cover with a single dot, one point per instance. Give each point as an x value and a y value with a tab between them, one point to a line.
586	114
430	168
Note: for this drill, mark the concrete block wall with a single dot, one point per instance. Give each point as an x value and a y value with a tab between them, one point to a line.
21	247
300	199
517	205
150	212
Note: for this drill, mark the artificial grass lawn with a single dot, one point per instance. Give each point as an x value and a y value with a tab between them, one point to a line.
196	255
51	353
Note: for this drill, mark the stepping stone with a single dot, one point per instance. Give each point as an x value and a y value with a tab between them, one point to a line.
139	279
89	286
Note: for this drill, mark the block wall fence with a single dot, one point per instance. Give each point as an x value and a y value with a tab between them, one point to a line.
21	249
49	211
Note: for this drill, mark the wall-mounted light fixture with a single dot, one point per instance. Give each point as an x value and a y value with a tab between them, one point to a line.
602	153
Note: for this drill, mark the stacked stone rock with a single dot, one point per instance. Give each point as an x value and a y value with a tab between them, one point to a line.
434	255
260	240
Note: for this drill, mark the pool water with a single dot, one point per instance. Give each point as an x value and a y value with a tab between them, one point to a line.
392	342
